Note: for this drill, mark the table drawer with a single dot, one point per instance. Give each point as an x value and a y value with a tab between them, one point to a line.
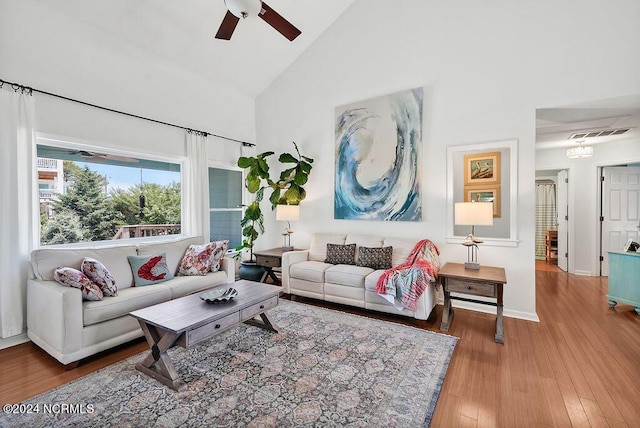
208	330
268	261
469	287
258	308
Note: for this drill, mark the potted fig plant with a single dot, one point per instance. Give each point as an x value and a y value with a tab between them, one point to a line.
287	190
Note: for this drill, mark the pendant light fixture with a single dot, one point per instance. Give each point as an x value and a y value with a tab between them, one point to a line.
580	151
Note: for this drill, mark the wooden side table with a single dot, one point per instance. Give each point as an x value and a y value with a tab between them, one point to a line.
269	259
488	281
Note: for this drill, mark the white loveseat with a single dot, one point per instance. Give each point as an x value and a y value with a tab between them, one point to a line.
304	273
69	329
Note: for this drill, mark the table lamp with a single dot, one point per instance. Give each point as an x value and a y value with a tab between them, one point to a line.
287	213
473	214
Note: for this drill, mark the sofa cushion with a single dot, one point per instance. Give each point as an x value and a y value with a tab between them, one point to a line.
149	270
401	249
375	258
309	270
341	254
44	261
100	275
74	278
196	261
174	250
351	276
364	240
318	246
184	285
127	300
371	280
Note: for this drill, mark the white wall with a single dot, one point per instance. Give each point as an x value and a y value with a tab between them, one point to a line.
583	196
47	50
485	67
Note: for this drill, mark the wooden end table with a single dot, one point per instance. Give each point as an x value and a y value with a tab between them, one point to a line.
488	281
269	259
189	320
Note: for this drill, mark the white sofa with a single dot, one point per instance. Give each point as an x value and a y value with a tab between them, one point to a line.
69	329
304	273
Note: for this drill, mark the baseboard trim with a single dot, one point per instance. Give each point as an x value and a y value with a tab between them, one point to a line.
582	273
527	316
18	339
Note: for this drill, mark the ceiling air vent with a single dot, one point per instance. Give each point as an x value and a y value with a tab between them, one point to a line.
601	133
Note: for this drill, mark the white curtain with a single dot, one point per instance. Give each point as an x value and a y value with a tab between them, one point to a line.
195	202
18	221
545	215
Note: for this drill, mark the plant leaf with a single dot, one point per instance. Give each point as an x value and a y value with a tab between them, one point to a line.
310	160
301	178
244	162
306	167
287	158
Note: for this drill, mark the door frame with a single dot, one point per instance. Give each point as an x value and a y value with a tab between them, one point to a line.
571	211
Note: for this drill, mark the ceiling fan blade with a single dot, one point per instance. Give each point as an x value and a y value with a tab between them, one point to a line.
227	26
276	20
120	158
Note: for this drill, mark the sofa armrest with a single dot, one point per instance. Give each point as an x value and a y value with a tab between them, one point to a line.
290	258
54	317
228	265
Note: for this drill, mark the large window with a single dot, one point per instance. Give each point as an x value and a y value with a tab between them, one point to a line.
94	196
225	205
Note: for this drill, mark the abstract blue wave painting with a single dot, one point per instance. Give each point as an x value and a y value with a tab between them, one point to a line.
379	158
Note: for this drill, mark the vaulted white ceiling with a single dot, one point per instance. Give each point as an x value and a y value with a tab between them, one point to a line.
182	32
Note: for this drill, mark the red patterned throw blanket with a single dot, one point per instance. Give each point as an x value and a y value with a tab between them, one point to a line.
404	284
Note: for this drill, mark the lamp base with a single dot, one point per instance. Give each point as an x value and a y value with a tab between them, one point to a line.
472	265
285	249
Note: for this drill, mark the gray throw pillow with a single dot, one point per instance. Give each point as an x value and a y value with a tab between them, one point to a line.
341	254
375	258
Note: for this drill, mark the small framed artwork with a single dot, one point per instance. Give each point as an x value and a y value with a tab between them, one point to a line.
484	194
482	169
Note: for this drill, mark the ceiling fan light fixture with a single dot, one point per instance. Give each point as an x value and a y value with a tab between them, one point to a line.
244	8
580	151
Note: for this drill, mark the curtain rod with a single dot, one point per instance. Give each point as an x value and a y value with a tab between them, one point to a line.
29	91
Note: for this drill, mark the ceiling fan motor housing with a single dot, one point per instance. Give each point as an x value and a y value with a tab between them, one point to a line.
244	8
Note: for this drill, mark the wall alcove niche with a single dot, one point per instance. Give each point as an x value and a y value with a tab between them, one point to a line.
463	184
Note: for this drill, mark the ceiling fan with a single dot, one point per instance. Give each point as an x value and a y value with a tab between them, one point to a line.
244	8
91	156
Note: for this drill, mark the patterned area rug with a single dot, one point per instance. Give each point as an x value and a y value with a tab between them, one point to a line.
324	368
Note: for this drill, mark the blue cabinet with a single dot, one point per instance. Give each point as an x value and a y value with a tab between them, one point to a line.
624	279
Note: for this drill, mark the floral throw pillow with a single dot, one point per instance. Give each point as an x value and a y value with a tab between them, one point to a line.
341	254
375	258
74	278
218	250
99	274
196	261
149	270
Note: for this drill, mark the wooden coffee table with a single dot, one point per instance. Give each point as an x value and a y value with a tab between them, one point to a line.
189	320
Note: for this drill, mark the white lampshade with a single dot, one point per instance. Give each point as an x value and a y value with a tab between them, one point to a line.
244	8
474	213
287	212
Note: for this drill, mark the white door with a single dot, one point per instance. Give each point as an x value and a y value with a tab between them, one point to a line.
563	220
620	210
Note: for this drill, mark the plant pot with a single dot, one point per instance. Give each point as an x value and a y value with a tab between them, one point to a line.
250	271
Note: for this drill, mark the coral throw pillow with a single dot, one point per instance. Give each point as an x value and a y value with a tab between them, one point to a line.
149	270
74	278
219	249
99	274
196	261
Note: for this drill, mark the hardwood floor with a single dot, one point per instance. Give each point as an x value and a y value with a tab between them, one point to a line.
580	366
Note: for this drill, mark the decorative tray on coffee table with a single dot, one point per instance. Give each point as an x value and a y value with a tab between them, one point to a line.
219	295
